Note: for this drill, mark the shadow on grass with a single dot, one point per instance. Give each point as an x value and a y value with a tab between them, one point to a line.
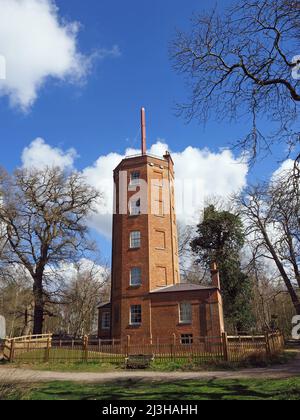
187	390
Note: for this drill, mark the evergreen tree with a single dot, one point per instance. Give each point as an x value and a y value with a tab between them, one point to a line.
220	239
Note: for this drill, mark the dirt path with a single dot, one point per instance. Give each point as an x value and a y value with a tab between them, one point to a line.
29	376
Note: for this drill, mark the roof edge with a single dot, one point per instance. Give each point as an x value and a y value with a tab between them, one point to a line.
165	289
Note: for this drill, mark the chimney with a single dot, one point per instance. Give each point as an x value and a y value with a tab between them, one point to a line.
168	157
215	276
143	127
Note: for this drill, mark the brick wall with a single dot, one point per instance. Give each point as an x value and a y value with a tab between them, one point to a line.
206	319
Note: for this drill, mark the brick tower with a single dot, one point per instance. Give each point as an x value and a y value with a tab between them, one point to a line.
148	300
145	246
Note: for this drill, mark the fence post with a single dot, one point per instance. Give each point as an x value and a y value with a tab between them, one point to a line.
282	341
127	345
273	349
12	351
225	346
172	352
174	346
47	350
85	348
268	347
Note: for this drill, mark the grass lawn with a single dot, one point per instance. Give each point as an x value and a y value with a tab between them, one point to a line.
91	367
184	390
67	356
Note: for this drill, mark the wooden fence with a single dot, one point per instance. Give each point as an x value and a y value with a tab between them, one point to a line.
241	348
44	348
16	347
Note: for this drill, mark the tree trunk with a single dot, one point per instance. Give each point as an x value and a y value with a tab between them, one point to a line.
282	270
289	286
27	320
38	317
295	301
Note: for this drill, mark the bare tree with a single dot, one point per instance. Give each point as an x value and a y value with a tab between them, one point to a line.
185	236
244	62
271	213
43	213
267	287
89	285
16	300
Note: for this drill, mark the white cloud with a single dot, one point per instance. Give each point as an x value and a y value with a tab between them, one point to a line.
40	155
100	176
114	52
210	174
36	45
285	167
199	174
68	271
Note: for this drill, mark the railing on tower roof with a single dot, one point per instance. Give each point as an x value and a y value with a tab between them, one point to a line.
141	155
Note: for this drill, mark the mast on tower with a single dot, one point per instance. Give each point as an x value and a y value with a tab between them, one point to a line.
143	127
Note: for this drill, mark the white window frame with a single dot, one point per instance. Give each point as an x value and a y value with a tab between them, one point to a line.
185	316
135	273
135	177
131	315
105	321
189	337
135	239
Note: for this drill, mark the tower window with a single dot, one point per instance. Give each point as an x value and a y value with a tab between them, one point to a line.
187	339
105	323
185	313
134	178
135	240
135	315
135	207
136	276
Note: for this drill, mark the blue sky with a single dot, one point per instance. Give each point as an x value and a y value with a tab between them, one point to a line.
102	115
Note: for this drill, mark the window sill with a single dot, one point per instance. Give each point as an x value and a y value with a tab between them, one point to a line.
182	324
134	326
132	286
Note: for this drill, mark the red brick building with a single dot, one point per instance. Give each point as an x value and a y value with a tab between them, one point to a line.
148	301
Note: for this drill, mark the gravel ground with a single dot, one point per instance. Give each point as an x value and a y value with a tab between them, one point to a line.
8	374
